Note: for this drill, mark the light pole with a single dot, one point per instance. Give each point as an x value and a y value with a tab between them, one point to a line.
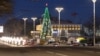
59	9
34	18
24	25
94	1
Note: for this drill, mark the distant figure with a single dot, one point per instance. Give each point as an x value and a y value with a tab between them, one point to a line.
72	42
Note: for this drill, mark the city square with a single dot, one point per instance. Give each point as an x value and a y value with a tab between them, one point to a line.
58	27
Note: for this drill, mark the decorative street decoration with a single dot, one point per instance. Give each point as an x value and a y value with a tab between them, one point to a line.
46	25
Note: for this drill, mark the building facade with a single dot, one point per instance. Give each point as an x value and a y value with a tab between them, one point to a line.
64	30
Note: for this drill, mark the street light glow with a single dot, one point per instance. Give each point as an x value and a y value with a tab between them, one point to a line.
25	19
93	1
59	9
34	18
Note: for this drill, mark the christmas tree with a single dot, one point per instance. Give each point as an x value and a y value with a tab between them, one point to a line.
46	25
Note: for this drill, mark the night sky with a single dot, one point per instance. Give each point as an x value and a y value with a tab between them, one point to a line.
35	8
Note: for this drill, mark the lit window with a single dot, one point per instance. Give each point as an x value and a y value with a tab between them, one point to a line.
69	28
64	28
73	28
78	28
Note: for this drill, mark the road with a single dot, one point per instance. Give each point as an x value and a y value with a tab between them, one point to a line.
3	45
47	51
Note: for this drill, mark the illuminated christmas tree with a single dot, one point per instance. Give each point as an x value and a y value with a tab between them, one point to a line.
46	25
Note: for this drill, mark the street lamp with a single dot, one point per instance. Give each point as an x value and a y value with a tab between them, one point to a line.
94	1
34	18
24	25
59	9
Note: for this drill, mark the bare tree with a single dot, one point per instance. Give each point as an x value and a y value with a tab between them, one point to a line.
13	27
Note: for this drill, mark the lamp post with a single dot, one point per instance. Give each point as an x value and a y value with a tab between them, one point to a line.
34	18
94	1
59	9
24	25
